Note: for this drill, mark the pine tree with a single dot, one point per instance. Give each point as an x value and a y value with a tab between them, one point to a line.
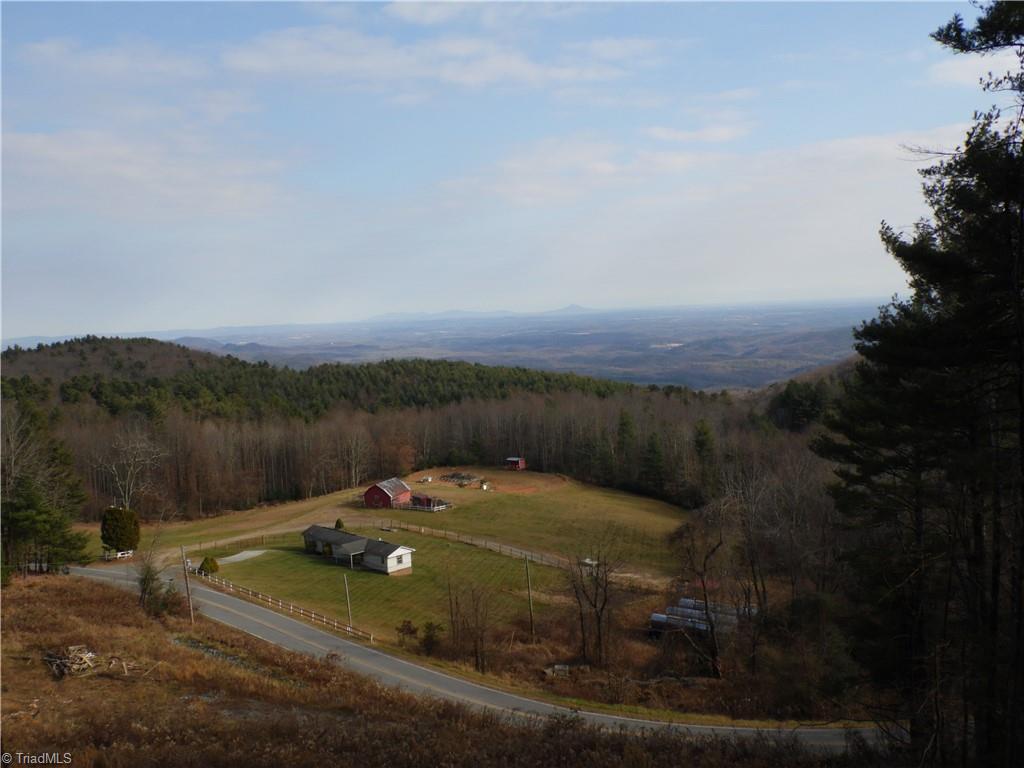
119	529
928	435
652	468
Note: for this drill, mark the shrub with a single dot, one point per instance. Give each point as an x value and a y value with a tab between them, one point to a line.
209	565
406	631
157	597
431	637
119	529
338	524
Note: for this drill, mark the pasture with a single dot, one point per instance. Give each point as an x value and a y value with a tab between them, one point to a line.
380	602
535	511
547	513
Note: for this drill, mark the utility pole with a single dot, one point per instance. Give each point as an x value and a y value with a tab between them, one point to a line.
188	589
348	600
529	593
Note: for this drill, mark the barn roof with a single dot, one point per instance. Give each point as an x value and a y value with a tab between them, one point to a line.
393	486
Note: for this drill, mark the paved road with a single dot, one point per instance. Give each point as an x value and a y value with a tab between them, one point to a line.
392	671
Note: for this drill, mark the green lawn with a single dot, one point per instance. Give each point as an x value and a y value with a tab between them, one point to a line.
540	512
381	602
551	514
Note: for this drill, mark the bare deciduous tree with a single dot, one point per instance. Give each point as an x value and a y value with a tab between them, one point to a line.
591	578
470	617
130	464
21	454
701	547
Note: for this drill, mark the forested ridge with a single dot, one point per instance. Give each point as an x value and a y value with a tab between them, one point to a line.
224	434
148	376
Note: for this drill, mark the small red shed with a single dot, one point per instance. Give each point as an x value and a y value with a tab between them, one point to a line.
387	493
515	463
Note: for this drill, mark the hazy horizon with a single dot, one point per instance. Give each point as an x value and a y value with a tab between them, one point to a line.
208	165
425	316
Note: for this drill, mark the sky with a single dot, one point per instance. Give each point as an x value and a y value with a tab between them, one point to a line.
189	165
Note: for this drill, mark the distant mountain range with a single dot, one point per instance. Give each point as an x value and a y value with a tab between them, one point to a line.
701	347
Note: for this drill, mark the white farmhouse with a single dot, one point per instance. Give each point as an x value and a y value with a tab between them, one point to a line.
352	550
388	558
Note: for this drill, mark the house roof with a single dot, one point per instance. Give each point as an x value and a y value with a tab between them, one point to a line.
385	548
393	486
346	543
381	548
340	541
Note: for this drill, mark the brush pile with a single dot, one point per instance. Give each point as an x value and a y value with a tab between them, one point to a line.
461	479
78	661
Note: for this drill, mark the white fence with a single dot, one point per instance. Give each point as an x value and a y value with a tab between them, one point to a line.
281	605
440	533
476	541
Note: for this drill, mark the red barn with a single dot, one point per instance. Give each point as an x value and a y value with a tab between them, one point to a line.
515	463
387	493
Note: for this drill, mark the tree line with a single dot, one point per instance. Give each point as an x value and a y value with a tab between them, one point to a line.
122	377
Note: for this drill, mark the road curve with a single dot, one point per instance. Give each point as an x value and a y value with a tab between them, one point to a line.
390	670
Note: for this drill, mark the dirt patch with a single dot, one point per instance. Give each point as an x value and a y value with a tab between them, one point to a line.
247	554
547	598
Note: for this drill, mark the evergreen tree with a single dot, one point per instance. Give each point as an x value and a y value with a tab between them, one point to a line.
652	468
704	447
928	434
625	448
798	406
119	529
39	495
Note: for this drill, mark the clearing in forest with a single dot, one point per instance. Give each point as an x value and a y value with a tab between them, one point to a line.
381	602
532	510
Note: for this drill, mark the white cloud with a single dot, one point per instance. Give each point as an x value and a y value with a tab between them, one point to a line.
616	48
178	175
603	96
711	226
427	14
721	132
219	105
735	94
495	16
969	69
561	171
359	59
131	61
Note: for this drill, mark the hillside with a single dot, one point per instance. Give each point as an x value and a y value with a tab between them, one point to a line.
147	376
202	695
227	434
135	359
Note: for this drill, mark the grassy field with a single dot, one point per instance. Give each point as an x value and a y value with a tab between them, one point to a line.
535	511
550	513
262	519
380	602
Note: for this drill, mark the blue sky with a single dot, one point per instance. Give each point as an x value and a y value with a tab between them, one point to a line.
191	165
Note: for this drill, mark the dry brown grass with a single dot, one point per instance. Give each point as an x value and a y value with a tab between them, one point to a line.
209	696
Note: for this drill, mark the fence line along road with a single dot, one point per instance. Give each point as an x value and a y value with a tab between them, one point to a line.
281	605
388	524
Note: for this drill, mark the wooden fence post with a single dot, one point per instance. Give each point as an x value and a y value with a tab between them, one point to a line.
529	593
